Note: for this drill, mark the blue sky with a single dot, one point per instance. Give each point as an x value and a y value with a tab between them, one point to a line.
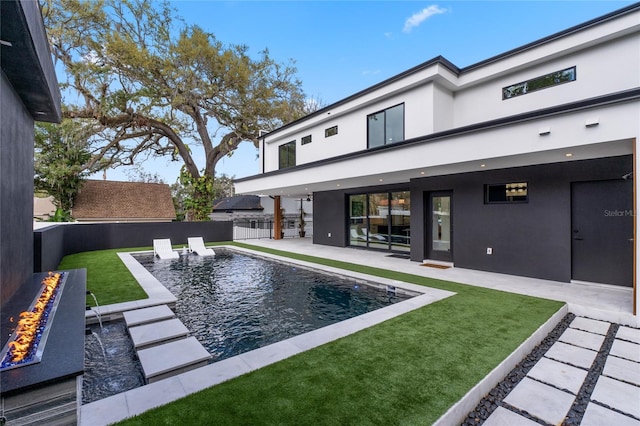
342	47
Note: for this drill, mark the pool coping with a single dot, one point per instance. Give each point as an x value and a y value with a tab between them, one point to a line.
136	401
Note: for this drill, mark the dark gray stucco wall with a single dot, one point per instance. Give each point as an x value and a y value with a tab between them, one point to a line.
531	239
332	219
16	191
53	243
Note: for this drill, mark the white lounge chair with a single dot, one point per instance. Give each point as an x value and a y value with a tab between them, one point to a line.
162	248
196	244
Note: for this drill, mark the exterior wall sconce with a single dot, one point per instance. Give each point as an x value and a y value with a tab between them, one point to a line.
544	131
592	122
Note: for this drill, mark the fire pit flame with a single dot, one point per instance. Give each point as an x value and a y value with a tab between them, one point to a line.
32	323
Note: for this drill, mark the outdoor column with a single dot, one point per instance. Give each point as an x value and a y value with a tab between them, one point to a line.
277	218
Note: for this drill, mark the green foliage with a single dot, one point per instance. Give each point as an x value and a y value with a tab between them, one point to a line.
198	195
193	197
61	155
159	87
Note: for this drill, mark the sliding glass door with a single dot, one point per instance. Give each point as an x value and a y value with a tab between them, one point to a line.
380	220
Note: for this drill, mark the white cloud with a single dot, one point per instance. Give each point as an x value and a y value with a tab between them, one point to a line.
419	17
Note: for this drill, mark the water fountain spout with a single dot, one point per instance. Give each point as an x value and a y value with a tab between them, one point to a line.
96	309
104	353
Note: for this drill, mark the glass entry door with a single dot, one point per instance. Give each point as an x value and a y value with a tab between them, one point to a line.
440	227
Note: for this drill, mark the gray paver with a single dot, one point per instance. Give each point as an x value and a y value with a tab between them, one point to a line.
543	401
595	415
503	417
590	325
574	355
618	395
560	375
622	369
628	333
147	315
582	338
157	332
625	350
172	358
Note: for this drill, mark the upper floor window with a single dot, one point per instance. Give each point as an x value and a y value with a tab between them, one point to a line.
385	127
539	83
305	140
331	131
287	155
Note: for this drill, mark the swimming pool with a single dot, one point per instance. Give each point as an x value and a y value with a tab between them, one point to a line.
234	303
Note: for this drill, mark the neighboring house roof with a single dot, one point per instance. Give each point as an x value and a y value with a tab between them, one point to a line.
239	202
124	201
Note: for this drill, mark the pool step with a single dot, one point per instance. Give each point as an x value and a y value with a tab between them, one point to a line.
152	334
163	344
147	315
166	360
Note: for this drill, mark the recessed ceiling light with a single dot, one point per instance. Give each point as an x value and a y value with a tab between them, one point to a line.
338	185
421	173
380	180
483	165
569	154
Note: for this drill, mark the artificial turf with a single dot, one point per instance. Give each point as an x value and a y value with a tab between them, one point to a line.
406	371
107	277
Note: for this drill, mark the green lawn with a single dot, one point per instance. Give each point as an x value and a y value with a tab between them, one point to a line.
405	371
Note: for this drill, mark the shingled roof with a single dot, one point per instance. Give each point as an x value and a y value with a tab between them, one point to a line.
104	200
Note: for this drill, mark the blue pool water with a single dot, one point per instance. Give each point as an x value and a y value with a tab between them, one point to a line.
232	303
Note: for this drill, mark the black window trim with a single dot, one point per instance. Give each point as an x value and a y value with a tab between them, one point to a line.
575	77
486	193
385	123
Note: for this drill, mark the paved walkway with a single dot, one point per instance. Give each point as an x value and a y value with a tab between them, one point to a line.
605	330
590	376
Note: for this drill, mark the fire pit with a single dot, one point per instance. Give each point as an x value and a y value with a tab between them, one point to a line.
43	356
29	338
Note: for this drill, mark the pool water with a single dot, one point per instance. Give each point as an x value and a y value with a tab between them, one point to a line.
233	303
110	362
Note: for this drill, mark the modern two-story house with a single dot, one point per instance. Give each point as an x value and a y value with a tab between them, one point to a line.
522	164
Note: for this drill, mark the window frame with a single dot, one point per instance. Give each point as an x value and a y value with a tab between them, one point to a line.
385	110
505	186
287	148
306	140
331	131
521	88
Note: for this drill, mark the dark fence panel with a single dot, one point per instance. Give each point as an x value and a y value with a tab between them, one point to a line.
53	243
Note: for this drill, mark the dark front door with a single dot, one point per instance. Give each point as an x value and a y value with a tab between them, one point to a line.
440	227
602	232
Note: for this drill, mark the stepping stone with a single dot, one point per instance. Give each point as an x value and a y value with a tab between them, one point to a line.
574	355
596	415
628	333
622	369
503	417
618	395
590	325
147	315
169	359
582	338
626	350
144	336
545	402
562	376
